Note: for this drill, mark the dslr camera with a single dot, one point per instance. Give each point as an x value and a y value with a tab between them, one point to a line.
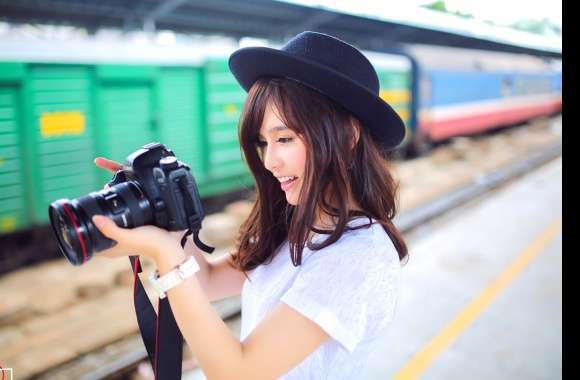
152	188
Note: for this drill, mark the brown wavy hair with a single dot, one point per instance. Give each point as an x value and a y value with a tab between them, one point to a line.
340	167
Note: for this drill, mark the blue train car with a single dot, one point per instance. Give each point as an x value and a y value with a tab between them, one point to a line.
463	91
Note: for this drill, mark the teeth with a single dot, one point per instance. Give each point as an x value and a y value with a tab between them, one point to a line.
284	179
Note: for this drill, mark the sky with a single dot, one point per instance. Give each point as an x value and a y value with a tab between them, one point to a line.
501	12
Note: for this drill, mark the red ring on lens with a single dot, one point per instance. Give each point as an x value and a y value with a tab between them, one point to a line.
72	218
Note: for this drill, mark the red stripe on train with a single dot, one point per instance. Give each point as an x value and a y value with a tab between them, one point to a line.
445	128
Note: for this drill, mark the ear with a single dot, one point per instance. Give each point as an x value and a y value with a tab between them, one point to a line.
356	126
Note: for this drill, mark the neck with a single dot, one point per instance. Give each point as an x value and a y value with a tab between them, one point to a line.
323	221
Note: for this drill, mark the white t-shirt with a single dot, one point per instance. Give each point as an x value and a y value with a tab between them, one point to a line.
349	288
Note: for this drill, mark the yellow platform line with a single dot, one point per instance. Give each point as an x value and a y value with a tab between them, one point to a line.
423	359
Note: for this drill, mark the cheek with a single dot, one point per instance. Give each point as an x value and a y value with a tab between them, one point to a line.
301	157
301	165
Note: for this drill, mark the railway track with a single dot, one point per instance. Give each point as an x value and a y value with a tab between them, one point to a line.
121	359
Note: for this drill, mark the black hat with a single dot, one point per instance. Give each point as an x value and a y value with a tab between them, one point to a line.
330	66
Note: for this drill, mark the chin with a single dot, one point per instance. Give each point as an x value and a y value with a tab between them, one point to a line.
291	198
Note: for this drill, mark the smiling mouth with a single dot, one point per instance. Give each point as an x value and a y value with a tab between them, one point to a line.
288	184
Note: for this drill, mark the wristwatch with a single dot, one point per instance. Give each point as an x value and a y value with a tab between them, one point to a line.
175	277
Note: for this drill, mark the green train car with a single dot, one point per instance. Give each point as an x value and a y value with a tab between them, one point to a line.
57	115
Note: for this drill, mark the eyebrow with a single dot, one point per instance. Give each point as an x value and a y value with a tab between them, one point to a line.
276	128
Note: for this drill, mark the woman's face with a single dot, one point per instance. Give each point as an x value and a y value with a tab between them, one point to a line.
283	153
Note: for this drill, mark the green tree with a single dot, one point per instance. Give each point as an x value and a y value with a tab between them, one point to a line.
544	26
439	6
436	6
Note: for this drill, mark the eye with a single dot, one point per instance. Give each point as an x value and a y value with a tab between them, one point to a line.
282	140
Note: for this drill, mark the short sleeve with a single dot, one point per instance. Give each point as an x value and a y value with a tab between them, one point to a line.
350	291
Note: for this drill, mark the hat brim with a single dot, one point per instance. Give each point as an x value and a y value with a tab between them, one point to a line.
249	64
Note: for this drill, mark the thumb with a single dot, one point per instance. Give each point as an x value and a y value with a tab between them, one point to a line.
106	226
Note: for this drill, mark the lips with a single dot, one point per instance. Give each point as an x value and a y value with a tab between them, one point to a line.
286	185
290	179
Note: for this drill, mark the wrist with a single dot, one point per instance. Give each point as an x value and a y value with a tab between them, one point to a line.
168	258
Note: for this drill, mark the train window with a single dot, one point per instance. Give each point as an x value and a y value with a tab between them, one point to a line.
507	87
425	90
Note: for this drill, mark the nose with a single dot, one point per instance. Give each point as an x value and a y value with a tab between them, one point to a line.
272	160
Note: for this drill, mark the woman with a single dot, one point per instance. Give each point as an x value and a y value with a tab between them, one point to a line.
319	248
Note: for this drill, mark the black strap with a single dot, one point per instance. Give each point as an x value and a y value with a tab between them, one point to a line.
165	350
199	243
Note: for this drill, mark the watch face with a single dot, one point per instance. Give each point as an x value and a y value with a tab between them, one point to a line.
189	266
153	281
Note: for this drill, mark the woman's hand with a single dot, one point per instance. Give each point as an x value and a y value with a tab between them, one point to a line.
143	240
107	164
148	241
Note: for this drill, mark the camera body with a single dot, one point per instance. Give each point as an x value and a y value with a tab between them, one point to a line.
152	188
167	184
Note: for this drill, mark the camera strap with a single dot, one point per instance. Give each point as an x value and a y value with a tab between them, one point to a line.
165	350
196	241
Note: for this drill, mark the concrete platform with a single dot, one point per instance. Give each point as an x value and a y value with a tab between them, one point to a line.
447	326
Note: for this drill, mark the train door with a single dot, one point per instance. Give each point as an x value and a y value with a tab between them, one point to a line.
59	128
181	100
224	103
126	114
13	189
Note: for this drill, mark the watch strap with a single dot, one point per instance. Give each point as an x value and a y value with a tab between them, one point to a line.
174	277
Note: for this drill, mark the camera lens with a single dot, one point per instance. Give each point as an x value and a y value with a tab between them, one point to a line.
71	220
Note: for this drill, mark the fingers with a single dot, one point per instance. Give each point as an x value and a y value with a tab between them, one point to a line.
113	252
106	226
114	232
109	165
147	240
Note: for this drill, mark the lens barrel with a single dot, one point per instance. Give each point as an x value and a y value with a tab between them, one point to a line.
71	220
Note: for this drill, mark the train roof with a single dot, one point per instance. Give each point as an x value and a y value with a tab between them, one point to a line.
140	49
438	57
113	51
124	50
